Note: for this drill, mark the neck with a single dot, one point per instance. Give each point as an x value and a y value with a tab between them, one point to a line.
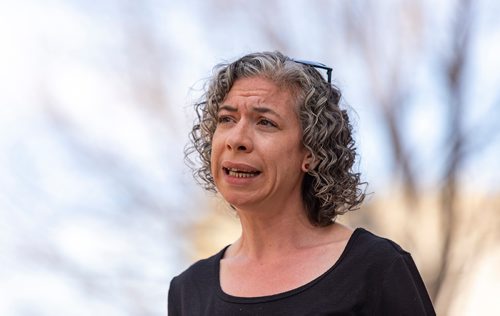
271	232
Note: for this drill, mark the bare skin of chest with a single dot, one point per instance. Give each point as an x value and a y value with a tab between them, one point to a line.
246	277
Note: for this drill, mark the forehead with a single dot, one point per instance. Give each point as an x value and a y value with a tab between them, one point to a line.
261	90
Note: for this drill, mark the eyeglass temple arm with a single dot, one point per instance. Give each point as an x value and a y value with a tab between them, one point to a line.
317	65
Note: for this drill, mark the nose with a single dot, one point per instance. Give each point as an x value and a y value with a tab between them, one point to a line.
240	138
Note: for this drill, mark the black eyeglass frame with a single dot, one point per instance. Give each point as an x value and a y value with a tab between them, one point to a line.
316	65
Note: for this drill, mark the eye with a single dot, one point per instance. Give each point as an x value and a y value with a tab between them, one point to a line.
224	119
266	122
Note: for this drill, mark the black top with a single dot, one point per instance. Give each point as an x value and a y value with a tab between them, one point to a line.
373	276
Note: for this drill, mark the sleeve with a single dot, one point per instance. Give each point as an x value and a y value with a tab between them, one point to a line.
403	291
172	301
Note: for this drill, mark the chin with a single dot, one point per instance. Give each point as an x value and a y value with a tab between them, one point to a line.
237	200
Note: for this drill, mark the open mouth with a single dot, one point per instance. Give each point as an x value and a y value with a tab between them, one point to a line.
239	173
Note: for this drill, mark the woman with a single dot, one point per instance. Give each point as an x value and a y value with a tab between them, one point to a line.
275	144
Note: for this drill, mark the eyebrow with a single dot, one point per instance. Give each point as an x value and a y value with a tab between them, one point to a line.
228	108
258	109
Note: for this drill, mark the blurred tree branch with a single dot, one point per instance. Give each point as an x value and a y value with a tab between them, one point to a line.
388	38
124	199
454	73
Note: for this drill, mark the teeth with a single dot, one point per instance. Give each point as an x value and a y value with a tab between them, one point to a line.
237	173
238	170
241	174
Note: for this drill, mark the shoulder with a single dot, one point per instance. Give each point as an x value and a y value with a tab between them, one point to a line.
199	273
191	290
369	245
395	280
372	255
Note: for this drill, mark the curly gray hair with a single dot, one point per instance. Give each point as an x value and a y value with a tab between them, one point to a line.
329	189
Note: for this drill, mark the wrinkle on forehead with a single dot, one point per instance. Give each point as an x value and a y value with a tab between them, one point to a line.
279	86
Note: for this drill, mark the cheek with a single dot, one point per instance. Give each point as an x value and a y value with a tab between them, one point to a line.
295	159
215	152
286	159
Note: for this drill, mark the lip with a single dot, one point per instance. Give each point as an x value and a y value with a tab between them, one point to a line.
239	166
233	180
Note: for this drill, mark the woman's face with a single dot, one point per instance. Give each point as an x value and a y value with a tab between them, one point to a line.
257	150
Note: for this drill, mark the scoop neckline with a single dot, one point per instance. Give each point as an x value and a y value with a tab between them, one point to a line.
267	298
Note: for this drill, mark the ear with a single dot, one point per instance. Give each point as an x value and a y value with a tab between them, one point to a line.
309	163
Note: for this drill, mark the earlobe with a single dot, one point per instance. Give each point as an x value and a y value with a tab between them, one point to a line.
309	163
305	167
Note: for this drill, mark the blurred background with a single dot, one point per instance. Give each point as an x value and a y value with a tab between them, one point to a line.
97	208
